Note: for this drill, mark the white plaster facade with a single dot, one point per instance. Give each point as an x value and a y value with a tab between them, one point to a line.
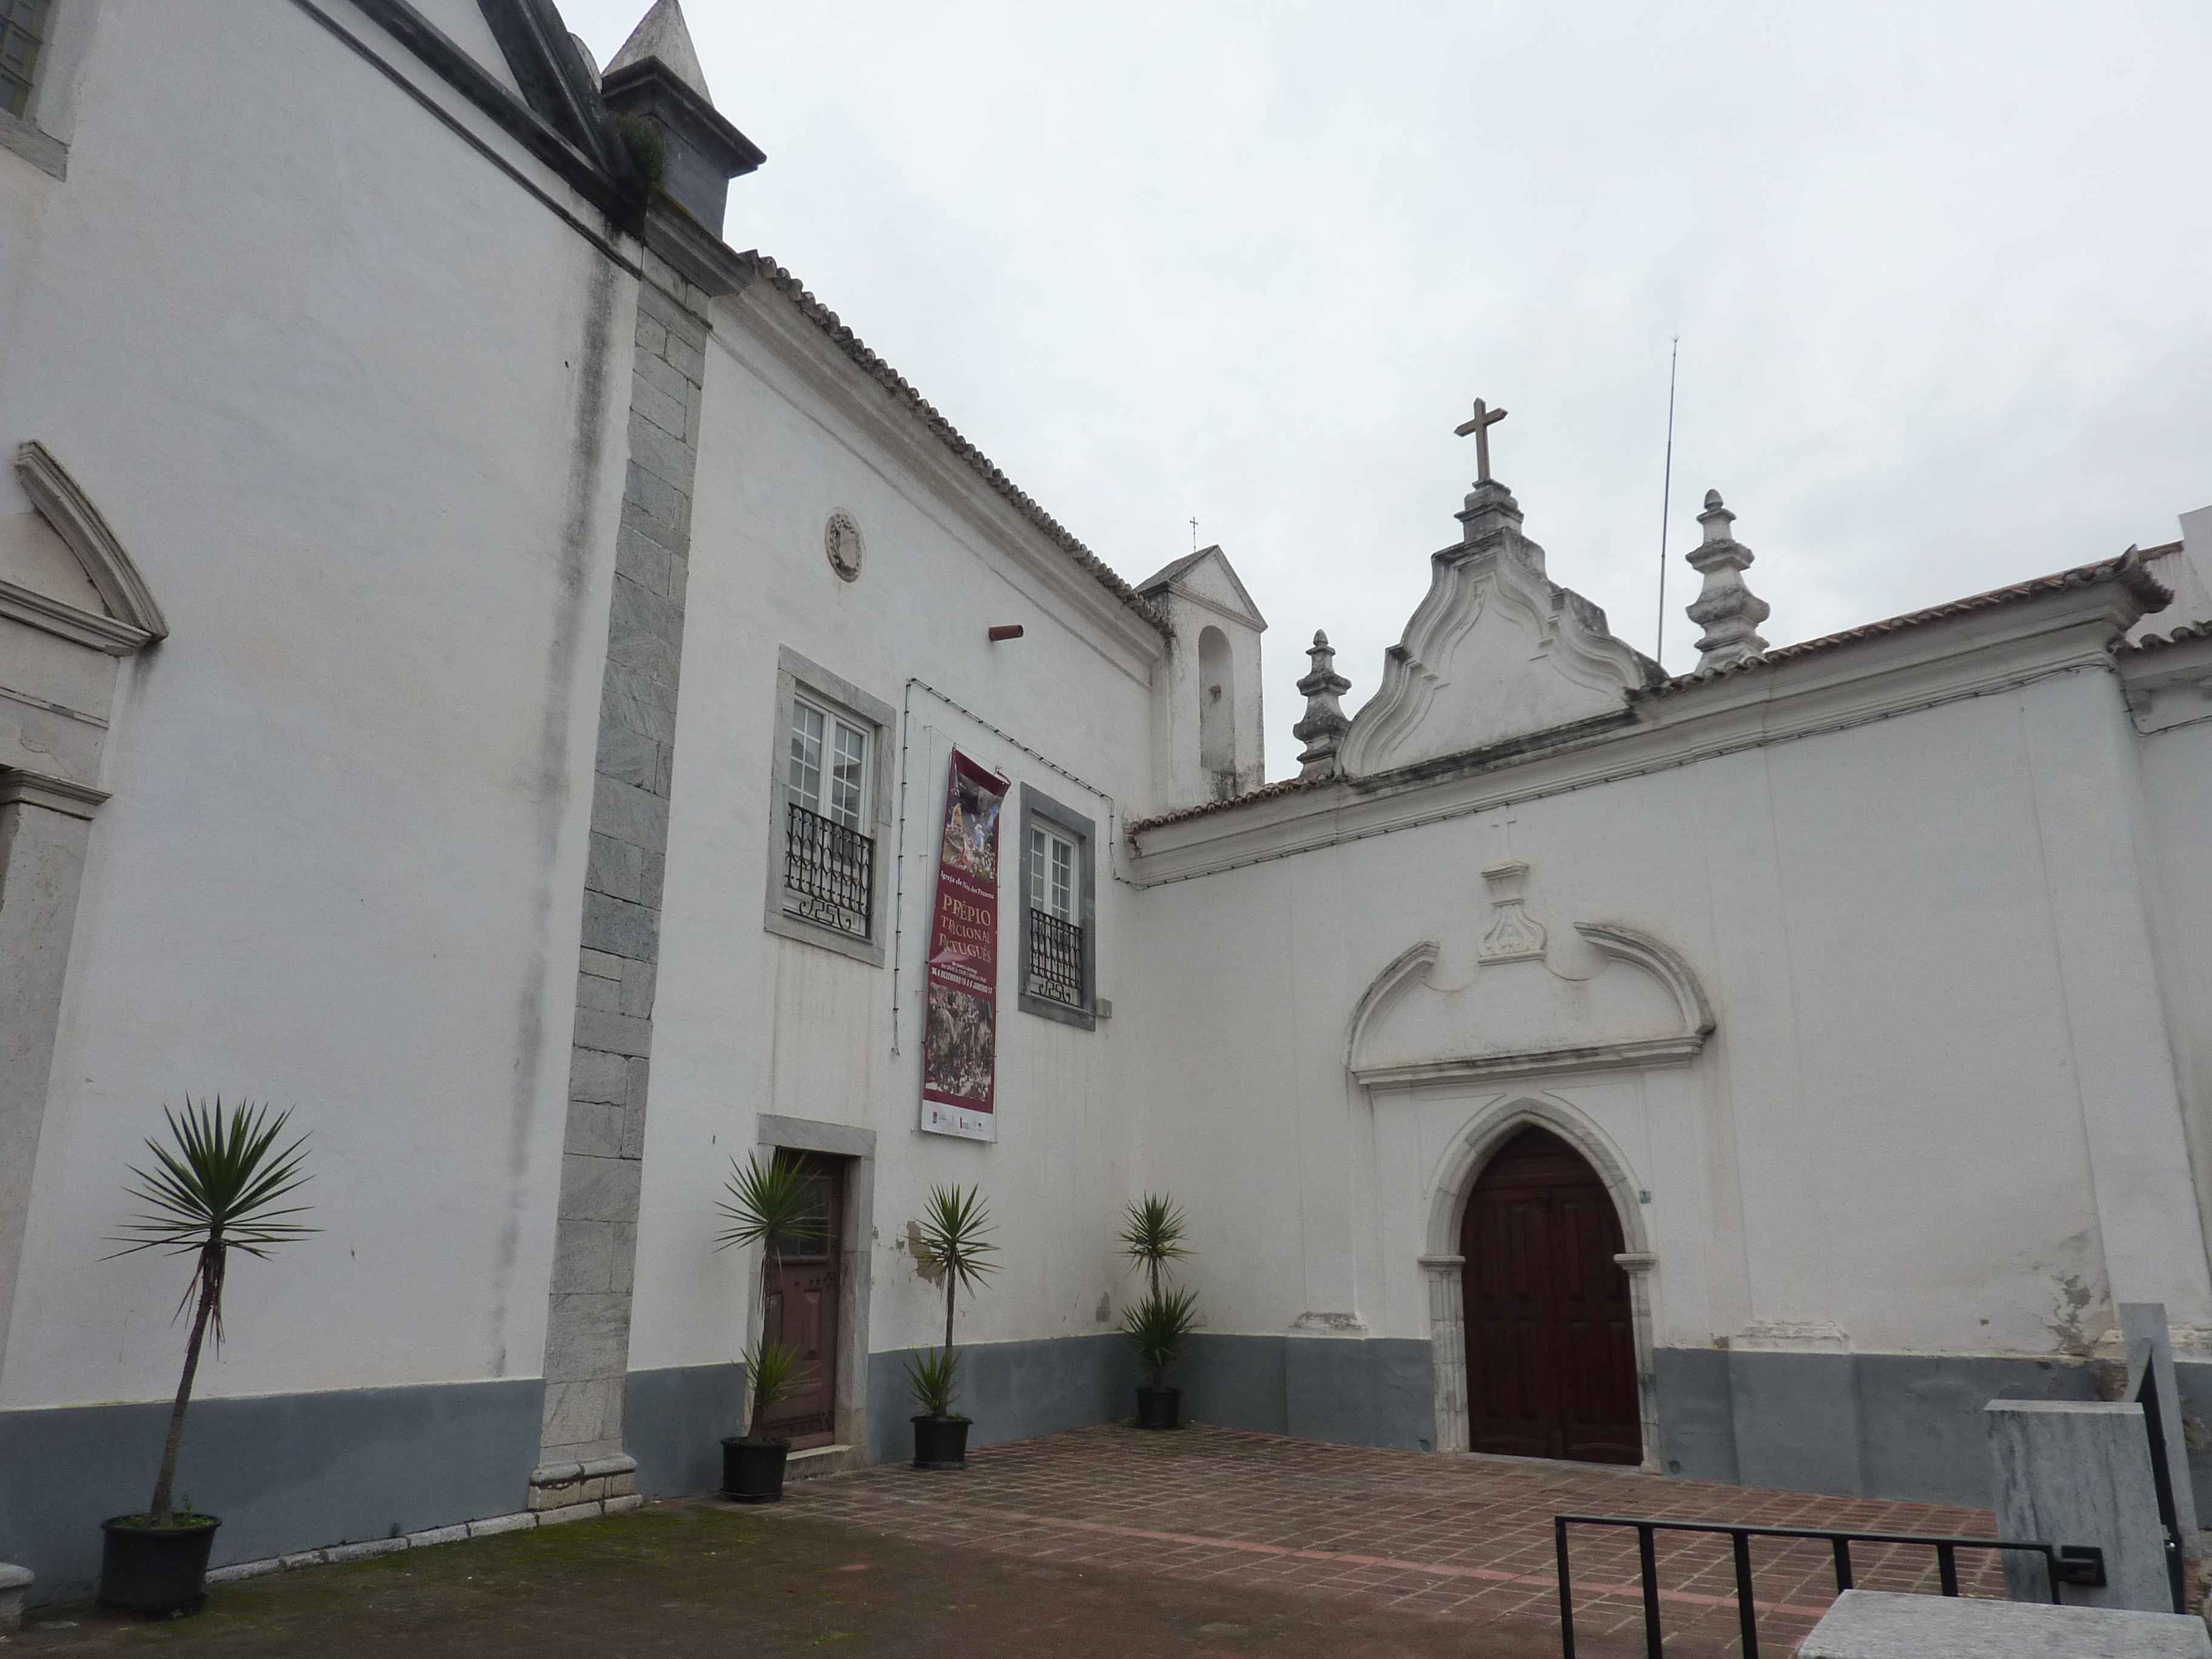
1869	977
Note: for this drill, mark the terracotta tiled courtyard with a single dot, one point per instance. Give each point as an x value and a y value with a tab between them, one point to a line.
1466	1539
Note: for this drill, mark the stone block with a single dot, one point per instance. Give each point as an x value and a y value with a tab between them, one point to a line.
1881	1625
601	993
600	1078
695	406
661	305
583	1259
623	1269
2078	1472
679	579
682	355
587	1336
641	559
303	1558
236	1573
664	378
15	1589
367	1549
432	1535
649	403
625	1503
615	1033
493	1526
623	812
569	1512
637	609
615	867
647	654
577	1411
600	965
598	1189
636	521
661	501
633	758
638	981
650	335
615	925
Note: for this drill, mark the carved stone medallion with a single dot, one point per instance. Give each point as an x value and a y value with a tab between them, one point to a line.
841	540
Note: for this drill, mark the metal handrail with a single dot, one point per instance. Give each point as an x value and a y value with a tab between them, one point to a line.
2069	1564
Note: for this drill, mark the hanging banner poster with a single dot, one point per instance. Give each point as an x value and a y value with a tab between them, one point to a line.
959	1046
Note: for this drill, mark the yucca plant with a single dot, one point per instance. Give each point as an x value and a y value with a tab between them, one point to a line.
216	1187
950	1237
772	1204
1158	1326
1153	1235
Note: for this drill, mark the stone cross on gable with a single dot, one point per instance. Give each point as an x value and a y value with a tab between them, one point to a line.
1485	417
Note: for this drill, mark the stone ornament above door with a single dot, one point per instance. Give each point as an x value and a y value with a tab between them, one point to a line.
1619	998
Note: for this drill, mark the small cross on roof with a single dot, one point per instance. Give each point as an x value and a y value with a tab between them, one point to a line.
1485	417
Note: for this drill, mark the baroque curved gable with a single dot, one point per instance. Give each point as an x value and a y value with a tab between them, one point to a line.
127	619
1495	651
1520	1015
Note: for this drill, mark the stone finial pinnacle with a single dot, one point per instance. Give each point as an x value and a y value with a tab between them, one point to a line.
663	34
1728	612
1322	729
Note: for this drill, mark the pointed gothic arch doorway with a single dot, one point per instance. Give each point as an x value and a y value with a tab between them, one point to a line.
1551	1341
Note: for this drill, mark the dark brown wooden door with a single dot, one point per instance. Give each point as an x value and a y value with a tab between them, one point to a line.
1551	1351
802	1310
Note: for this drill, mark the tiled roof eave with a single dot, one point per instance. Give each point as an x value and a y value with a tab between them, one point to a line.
902	390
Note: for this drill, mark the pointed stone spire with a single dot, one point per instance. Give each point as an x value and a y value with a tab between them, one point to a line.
1322	729
1729	612
663	34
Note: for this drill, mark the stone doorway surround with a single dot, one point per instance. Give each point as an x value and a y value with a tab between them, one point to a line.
856	1227
1443	1269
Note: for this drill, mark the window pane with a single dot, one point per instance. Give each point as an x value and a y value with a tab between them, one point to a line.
803	778
22	22
1063	880
847	775
1038	860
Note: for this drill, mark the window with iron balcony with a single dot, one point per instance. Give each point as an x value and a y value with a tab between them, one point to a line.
829	794
1058	892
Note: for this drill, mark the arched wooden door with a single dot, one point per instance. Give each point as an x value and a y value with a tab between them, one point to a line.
1551	1350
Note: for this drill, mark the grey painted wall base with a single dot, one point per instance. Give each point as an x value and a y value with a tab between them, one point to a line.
1373	1391
1009	1391
1868	1424
673	1422
285	1472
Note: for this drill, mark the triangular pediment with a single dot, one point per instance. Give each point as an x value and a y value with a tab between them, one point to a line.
64	571
1496	650
1208	577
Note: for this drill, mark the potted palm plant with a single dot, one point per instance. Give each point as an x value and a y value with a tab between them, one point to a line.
216	1187
771	1204
1161	1320
949	1242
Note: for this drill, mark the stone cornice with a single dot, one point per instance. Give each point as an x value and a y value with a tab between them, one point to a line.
780	328
1971	655
75	800
135	619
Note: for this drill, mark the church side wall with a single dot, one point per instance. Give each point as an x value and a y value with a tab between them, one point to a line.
749	1023
270	320
1884	1192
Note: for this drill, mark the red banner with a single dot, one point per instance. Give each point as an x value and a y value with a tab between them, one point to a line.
959	1047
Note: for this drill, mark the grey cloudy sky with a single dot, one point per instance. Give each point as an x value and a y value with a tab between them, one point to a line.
1941	273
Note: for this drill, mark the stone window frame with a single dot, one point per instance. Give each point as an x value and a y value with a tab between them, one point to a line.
795	674
1039	807
41	134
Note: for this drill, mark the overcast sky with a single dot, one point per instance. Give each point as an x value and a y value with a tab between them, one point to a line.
1943	275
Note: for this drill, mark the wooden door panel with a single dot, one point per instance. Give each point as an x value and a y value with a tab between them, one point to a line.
801	1308
1550	1347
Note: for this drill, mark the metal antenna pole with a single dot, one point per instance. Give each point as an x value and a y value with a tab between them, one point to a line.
1666	498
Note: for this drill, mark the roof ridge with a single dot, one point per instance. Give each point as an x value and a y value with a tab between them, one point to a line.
896	383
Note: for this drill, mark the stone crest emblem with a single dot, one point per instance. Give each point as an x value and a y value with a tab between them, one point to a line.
841	540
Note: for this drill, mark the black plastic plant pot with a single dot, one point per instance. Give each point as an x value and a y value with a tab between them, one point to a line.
157	1571
1159	1408
940	1442
752	1470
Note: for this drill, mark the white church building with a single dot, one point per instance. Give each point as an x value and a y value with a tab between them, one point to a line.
481	662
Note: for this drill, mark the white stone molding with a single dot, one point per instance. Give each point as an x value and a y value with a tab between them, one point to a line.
134	620
1445	1041
69	798
1445	1279
1563	665
1444	1269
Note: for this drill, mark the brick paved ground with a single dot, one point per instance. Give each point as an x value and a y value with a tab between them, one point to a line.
1462	1539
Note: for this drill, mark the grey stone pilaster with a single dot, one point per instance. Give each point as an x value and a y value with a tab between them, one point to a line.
587	1329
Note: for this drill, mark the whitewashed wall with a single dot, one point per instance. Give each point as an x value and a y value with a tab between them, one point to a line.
269	323
1939	1044
747	1021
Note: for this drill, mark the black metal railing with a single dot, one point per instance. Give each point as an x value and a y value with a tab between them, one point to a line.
2069	1564
1055	959
828	871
